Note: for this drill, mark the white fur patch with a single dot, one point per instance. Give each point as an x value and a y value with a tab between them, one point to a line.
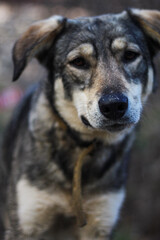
134	96
102	213
149	86
37	208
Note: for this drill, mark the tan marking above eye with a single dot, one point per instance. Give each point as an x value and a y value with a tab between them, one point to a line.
120	44
84	50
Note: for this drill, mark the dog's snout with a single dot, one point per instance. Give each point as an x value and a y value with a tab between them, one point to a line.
113	106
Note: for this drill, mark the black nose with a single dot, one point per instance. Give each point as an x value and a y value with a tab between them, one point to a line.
113	106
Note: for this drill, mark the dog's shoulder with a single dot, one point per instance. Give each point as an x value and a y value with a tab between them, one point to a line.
17	122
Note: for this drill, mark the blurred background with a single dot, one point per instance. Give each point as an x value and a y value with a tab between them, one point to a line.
140	217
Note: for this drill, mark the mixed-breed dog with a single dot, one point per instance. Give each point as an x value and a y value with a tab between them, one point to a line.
65	152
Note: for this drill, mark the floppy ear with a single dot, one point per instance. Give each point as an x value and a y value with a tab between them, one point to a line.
36	39
149	21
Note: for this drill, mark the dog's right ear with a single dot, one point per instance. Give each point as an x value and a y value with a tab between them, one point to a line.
149	22
36	39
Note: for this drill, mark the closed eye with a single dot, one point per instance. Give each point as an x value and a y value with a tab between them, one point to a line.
80	63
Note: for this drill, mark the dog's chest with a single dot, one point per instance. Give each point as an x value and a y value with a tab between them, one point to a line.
40	211
56	164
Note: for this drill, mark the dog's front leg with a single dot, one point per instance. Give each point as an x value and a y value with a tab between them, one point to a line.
37	211
95	232
102	213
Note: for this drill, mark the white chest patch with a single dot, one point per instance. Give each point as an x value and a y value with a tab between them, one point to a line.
102	214
37	208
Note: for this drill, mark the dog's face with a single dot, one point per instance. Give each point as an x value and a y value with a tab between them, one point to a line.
102	67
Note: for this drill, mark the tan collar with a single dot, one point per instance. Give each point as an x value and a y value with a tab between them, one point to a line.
76	185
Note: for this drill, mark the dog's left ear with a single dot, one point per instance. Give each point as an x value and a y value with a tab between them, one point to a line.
149	22
38	38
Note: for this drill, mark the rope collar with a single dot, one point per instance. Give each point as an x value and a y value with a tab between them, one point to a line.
77	188
77	172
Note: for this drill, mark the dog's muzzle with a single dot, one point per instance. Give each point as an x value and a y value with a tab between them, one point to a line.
114	107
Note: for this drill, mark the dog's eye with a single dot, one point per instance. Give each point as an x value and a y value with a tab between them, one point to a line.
79	62
130	56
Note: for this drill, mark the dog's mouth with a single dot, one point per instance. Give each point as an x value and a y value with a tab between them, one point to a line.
115	127
85	121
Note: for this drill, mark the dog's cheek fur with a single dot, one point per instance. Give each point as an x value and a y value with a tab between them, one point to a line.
134	91
149	86
138	94
86	103
72	114
66	108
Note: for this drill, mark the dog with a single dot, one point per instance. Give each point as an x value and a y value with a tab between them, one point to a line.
65	152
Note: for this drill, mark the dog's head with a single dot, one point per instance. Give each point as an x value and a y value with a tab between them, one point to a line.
100	67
